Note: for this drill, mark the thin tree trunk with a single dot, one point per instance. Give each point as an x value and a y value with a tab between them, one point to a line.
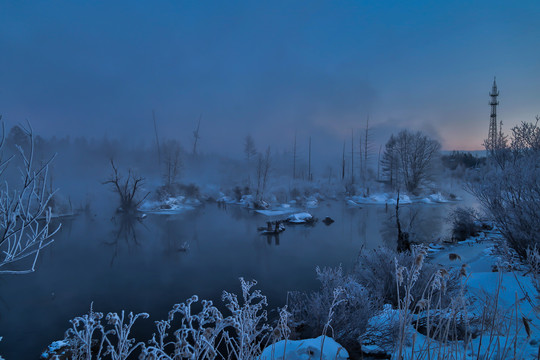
343	163
309	161
157	137
352	156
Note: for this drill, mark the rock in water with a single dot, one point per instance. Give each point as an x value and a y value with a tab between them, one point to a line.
328	220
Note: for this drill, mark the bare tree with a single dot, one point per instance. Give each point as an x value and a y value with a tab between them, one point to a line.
367	150
157	137
294	157
128	189
409	158
250	151
263	169
352	156
25	216
172	162
310	175
526	138
196	136
390	163
343	163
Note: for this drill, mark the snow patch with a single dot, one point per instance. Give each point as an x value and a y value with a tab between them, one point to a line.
305	349
172	205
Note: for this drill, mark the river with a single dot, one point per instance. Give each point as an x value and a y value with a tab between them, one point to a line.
141	266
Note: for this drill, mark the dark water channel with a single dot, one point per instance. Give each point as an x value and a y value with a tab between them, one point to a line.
140	266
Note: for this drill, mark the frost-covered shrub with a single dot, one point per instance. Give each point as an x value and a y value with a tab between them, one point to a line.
376	271
463	223
248	319
188	333
511	198
342	304
89	339
195	338
509	191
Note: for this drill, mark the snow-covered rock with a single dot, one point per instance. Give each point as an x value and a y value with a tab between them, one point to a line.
300	218
308	349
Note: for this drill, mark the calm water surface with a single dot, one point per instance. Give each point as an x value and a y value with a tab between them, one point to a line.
140	266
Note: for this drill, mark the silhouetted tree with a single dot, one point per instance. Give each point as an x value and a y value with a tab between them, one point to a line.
250	151
263	169
128	189
172	162
408	159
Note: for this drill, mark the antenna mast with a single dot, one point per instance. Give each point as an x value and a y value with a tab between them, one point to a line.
493	134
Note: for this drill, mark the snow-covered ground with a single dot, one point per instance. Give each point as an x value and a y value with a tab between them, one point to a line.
278	210
390	199
320	348
513	292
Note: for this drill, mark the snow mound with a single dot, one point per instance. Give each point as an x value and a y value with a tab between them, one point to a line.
172	205
437	198
305	349
300	218
352	203
403	199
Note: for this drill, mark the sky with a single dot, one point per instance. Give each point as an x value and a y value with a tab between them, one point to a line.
268	68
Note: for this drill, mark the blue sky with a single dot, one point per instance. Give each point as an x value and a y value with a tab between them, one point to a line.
268	69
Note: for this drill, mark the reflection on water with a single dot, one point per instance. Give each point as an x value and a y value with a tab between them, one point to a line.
140	265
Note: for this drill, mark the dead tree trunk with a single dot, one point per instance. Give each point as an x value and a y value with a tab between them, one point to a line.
403	243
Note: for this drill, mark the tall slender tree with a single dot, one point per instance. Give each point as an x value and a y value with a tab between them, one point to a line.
196	135
310	176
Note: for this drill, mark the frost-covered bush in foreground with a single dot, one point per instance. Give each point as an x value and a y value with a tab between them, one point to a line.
497	324
341	305
25	215
186	334
376	271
